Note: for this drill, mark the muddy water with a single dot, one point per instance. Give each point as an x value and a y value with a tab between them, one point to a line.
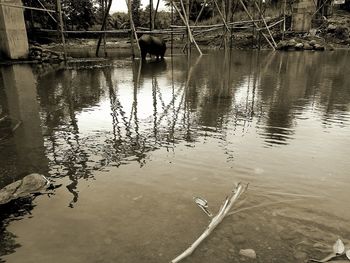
132	145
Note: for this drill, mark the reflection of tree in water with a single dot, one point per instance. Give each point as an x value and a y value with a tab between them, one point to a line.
61	103
293	83
15	210
208	96
126	140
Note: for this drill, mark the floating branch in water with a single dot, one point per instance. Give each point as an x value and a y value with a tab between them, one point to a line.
338	251
203	204
225	208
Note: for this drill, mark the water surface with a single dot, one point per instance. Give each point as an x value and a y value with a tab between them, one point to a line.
132	144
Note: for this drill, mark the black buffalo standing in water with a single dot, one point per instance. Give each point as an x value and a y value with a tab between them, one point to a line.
152	45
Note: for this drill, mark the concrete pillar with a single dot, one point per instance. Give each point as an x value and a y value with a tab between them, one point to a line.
302	15
13	34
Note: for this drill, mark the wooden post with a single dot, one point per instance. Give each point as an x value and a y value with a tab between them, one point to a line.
172	29
155	14
42	5
133	31
103	27
200	12
184	20
104	7
284	18
229	11
187	14
151	26
255	24
263	18
261	15
59	9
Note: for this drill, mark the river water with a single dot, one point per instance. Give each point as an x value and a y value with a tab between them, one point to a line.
132	144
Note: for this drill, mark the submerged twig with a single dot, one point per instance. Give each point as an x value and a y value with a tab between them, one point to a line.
16	126
229	201
263	205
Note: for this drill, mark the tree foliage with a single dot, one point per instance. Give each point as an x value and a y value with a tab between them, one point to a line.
77	14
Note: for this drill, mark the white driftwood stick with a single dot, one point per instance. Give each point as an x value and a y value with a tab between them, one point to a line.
229	201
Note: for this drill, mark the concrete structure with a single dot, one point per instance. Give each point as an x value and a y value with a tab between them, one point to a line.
13	34
302	15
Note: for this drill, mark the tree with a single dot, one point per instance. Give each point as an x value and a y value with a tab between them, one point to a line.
78	14
136	9
195	7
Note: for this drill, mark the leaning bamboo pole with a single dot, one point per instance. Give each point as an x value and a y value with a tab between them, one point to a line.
155	13
250	16
263	19
200	12
221	15
184	20
60	17
187	15
103	27
284	18
133	30
28	7
49	13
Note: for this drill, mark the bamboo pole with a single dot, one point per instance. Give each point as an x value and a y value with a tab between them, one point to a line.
187	25
200	12
187	17
155	13
151	26
263	19
59	9
284	18
133	30
49	13
222	17
225	208
103	27
172	32
28	7
103	5
247	12
220	25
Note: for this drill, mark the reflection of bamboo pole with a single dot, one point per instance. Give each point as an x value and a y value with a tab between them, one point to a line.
59	9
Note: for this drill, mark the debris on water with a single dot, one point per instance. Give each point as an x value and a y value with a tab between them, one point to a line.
249	253
203	204
30	184
137	197
215	221
339	252
338	247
